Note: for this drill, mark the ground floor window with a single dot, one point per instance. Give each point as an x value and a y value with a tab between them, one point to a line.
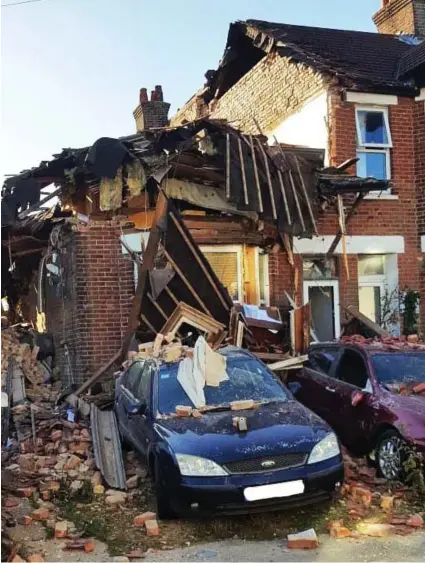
376	299
244	271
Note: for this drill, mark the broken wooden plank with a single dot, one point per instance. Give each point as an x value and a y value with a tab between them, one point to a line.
257	179
297	202
368	323
284	196
37	205
228	165
185	314
245	187
338	236
290	362
270	356
269	179
304	190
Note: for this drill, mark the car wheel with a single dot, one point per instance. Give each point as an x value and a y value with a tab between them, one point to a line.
390	455
163	506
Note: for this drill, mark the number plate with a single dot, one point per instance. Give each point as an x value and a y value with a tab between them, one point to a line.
276	490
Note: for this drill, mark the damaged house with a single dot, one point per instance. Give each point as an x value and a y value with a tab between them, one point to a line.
348	94
169	226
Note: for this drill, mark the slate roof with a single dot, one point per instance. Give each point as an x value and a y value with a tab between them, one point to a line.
412	60
366	59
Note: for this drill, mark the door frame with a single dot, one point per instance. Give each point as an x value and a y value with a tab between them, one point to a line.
326	283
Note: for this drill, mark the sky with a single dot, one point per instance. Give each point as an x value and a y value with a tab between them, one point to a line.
71	70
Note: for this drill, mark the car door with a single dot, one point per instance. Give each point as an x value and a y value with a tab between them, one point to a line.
353	423
125	404
316	381
140	421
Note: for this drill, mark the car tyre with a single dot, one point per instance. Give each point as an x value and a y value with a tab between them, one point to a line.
391	455
163	506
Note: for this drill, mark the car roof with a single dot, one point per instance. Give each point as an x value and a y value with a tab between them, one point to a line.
375	346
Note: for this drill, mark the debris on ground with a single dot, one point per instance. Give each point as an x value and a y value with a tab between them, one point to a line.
303	540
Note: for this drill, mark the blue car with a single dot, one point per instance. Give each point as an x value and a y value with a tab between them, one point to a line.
205	465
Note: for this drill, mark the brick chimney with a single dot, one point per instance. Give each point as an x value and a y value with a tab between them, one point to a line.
401	16
151	113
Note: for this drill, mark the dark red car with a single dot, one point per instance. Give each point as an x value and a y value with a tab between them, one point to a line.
370	395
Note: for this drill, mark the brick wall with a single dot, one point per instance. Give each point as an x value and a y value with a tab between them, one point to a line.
397	16
91	315
419	135
270	92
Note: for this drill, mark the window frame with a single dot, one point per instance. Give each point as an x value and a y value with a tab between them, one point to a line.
266	300
230	249
380	148
374	280
336	303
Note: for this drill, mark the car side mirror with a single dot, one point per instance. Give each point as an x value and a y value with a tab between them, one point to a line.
357	397
294	387
136	408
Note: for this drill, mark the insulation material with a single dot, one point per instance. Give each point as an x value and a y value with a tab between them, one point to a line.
206	368
136	177
110	192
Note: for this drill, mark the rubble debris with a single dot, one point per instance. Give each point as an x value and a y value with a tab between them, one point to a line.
152	527
242	405
142	518
415	521
61	529
290	363
132	482
182	410
303	540
40	514
35	558
21	353
376	530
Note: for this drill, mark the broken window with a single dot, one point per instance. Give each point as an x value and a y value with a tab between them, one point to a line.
352	369
319	268
373	143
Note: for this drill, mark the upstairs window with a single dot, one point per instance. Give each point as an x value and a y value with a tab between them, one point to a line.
373	143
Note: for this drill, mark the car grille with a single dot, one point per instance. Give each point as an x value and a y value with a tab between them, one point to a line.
254	465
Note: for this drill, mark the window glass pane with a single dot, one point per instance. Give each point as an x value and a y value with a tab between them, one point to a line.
372	165
132	378
370	302
372	265
225	265
319	269
372	128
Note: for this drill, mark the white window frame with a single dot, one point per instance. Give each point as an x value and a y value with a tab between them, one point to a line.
266	301
235	248
380	148
375	280
326	283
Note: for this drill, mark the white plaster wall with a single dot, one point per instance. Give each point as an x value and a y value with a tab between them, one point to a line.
307	127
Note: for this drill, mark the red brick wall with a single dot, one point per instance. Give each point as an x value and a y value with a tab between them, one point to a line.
419	136
381	217
92	315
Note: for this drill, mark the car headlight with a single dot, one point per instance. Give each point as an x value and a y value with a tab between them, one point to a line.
193	466
325	449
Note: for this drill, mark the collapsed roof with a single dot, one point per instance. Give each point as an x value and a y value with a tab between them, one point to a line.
205	163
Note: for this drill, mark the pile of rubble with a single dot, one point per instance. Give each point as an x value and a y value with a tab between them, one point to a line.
390	343
23	356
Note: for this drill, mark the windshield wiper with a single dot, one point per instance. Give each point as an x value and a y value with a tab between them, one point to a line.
216	408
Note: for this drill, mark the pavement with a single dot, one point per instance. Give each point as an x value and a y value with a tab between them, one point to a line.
396	548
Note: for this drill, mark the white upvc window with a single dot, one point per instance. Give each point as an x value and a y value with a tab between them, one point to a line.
262	275
373	142
372	285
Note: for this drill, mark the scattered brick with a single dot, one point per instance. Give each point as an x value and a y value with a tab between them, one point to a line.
398	521
98	489
35	558
242	405
335	524
27	492
387	502
415	521
56	435
183	410
152	528
340	532
11	503
362	494
40	514
132	482
89	545
142	518
25	520
419	388
303	540
61	529
17	559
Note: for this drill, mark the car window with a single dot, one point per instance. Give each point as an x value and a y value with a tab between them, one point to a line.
321	360
396	367
352	369
143	388
132	377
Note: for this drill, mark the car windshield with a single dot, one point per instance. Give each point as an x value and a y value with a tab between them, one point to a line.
248	379
399	368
